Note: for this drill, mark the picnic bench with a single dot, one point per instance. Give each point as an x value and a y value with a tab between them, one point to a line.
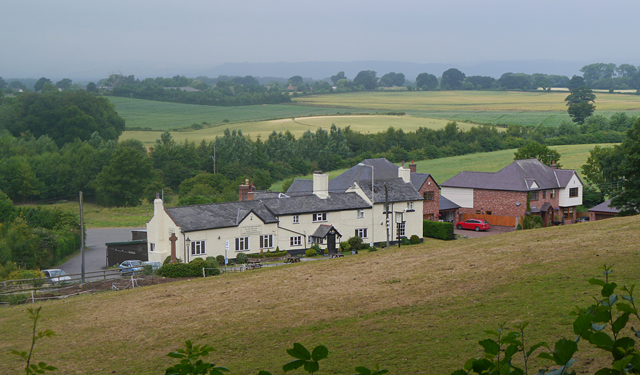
337	255
292	260
253	263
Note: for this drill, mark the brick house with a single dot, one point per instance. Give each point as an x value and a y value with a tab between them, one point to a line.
603	211
554	194
430	191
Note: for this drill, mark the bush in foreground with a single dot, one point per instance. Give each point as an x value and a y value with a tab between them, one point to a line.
437	229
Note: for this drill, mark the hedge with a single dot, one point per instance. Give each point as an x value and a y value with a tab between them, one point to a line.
437	229
276	254
191	269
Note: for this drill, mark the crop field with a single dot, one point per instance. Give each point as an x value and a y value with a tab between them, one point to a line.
155	115
572	157
419	309
298	125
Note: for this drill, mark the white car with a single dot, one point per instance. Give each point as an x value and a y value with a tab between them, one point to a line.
56	276
154	265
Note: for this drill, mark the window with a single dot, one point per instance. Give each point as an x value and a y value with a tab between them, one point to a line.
296	219
429	217
544	194
152	246
360	214
428	195
568	212
320	217
295	241
266	241
552	193
400	229
242	243
533	195
409	206
361	232
488	212
573	192
197	248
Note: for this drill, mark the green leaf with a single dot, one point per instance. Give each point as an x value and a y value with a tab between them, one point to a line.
459	372
175	355
293	365
581	324
264	373
594	281
625	308
320	352
481	365
510	351
468	365
613	299
597	327
546	355
602	340
608	289
380	372
621	364
564	350
620	323
492	332
536	346
622	347
607	371
299	351
363	371
490	347
311	366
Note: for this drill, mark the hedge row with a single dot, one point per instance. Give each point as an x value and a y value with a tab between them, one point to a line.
191	269
277	254
437	229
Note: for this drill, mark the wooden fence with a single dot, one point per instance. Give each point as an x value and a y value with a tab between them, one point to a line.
501	221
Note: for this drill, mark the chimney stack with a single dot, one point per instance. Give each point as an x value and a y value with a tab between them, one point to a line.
321	184
413	167
553	164
243	191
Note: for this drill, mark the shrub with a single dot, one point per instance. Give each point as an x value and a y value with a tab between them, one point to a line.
519	227
355	243
436	229
220	259
310	252
268	255
148	270
191	269
405	241
372	249
344	246
365	246
241	258
537	222
414	239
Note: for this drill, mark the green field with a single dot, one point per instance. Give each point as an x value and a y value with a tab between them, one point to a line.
299	125
572	157
419	309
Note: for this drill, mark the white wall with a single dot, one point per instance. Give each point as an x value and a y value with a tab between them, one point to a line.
563	194
463	197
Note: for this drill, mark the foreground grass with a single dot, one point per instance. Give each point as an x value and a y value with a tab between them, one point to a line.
415	310
298	125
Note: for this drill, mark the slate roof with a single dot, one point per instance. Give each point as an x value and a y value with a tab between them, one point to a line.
299	187
218	215
521	175
446	204
323	230
399	191
311	203
419	179
605	207
383	169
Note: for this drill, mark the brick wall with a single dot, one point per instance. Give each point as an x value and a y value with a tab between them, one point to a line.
430	207
503	203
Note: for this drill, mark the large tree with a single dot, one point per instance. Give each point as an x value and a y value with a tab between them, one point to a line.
602	169
338	77
580	104
40	83
452	79
366	78
426	81
64	83
535	150
628	200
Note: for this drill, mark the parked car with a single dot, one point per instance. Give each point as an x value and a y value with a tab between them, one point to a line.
56	276
129	267
474	224
154	265
583	219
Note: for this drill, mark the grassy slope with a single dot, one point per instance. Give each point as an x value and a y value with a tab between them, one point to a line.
299	125
415	310
573	157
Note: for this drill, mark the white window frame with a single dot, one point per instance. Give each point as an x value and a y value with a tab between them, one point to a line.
198	248
295	219
552	194
409	206
295	241
362	233
242	243
319	217
360	214
401	229
266	239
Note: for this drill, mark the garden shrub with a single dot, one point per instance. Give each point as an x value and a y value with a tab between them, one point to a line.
276	254
414	239
405	241
310	252
355	243
365	246
241	258
191	269
372	249
519	227
220	259
437	229
345	246
537	221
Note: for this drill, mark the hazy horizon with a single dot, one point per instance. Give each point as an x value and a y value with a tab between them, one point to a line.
79	39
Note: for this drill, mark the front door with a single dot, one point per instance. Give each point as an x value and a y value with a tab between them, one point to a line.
331	243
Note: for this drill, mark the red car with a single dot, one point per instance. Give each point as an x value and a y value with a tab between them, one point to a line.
474	224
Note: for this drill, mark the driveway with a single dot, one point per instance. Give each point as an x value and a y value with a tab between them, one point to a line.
95	254
490	232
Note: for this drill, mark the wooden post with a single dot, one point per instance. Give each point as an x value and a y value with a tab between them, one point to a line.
173	239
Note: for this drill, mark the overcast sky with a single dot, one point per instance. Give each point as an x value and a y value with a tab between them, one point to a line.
78	37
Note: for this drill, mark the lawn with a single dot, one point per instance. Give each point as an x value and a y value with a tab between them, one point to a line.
299	125
572	157
414	310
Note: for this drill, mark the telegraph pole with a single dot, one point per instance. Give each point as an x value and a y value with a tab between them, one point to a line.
82	236
214	158
386	211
